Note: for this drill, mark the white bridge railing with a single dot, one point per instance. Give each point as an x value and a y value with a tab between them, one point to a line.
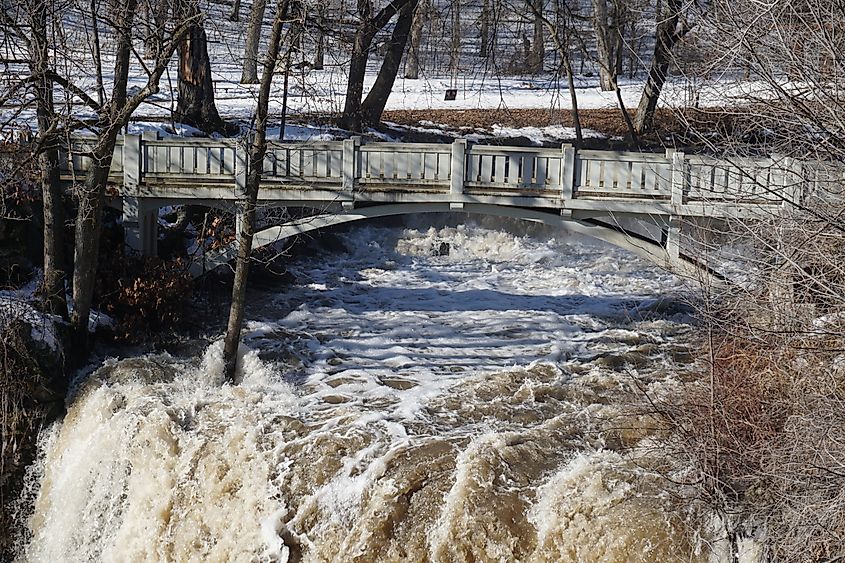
671	183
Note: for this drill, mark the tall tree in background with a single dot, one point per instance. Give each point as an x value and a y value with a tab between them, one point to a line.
412	63
606	41
376	100
369	24
249	75
195	105
235	14
538	50
257	150
672	26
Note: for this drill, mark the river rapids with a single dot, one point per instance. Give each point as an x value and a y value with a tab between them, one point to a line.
396	403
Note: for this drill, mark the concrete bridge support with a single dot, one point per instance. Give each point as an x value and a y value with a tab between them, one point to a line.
140	225
140	214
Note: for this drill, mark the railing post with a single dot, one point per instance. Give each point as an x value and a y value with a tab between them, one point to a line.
673	237
241	168
678	176
458	172
567	178
131	163
792	175
351	155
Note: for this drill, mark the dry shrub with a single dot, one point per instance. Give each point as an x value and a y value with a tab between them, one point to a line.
734	419
146	297
760	438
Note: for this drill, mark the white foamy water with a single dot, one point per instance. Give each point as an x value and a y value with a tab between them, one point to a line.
411	407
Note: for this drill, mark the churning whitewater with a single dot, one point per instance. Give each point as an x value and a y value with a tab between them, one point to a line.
394	404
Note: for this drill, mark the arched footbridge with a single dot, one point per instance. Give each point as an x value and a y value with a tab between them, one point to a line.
637	201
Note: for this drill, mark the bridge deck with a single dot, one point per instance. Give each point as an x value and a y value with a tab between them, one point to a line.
634	200
176	169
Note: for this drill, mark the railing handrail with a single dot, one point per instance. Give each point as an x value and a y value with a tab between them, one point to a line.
564	173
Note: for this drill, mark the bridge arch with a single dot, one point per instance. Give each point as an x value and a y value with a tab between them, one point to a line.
617	236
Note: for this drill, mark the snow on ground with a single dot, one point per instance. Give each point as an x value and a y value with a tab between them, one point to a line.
16	304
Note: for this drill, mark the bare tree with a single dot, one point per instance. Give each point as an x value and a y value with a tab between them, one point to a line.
376	100
538	51
195	105
672	26
53	288
369	23
91	193
605	42
257	149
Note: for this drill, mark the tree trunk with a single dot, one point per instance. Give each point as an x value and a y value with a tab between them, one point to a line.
153	42
455	51
235	14
195	106
668	35
538	50
253	38
352	118
573	97
257	149
604	47
412	63
484	33
89	222
369	25
53	289
373	106
319	55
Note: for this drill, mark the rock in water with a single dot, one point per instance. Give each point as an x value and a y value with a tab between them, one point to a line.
440	250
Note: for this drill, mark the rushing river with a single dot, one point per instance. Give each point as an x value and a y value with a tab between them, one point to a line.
393	405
